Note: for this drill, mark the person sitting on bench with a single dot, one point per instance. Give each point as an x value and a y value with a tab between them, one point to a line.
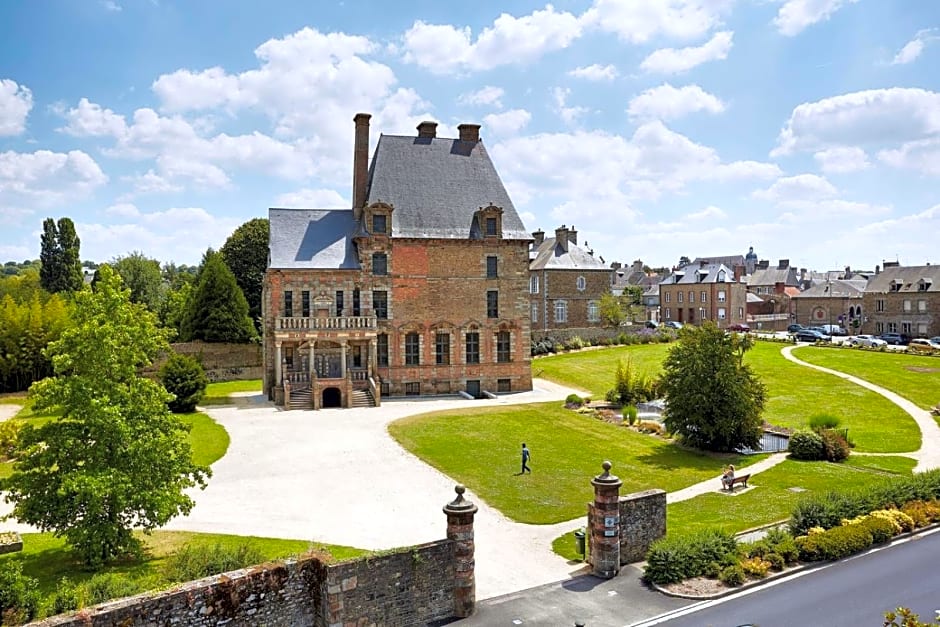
727	478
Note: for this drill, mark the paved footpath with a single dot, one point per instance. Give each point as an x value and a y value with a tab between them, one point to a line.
8	411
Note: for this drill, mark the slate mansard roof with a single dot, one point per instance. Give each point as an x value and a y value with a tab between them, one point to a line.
312	238
436	185
905	279
550	255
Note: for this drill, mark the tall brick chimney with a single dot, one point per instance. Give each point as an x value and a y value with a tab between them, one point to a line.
783	264
360	161
427	129
469	132
561	237
573	236
539	237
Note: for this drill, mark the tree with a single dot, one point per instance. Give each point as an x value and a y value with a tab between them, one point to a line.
143	277
611	312
61	266
217	310
117	459
184	378
713	400
246	254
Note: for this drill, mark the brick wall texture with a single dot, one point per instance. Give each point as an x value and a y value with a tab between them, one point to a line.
413	586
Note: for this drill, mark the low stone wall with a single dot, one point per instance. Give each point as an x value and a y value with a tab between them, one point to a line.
222	362
642	522
413	586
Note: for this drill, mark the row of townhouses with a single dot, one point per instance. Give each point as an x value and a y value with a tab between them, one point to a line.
430	283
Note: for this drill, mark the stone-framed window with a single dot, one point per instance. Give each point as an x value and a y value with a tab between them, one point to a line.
704	297
442	348
412	349
413	389
490	221
922	307
722	314
691	296
879	305
668	313
503	347
379	264
667	297
593	311
288	303
679	297
534	284
492	266
561	311
472	353
721	296
380	224
492	304
380	304
581	283
305	303
339	303
503	385
381	349
357	303
535	312
907	304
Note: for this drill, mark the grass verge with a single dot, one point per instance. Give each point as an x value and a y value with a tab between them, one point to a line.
218	393
593	370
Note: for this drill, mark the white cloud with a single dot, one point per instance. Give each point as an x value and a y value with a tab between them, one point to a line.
569	114
710	212
442	49
668	103
922	156
915	47
639	21
486	95
802	187
92	120
842	160
676	60
44	178
312	199
594	72
16	101
875	116
796	15
508	122
151	183
123	210
111	5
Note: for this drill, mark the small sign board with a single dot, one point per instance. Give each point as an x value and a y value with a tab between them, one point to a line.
610	533
611	521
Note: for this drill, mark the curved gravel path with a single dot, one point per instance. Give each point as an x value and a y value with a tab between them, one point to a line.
928	456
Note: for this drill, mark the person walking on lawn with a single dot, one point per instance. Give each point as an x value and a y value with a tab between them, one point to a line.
525	460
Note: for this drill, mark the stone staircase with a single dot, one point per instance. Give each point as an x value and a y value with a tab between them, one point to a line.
362	398
300	399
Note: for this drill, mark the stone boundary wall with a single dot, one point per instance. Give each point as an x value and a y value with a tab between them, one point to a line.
222	362
412	586
642	522
587	333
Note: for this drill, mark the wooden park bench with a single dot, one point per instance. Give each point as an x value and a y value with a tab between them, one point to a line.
742	479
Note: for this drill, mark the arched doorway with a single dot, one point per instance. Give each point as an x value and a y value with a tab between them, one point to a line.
332	397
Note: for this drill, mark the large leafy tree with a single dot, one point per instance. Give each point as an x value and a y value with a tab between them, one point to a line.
217	310
117	459
713	399
61	266
246	253
143	277
612	314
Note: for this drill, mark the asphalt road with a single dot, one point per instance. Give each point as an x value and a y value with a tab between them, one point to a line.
855	592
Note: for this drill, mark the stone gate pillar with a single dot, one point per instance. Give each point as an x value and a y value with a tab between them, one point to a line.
460	513
604	521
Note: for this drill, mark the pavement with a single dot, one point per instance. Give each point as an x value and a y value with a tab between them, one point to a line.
8	411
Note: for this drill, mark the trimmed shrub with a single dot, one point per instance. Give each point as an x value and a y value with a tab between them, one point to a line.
922	513
19	593
673	559
574	399
755	567
732	576
807	445
67	597
818	422
836	446
776	561
195	561
184	378
881	529
834	543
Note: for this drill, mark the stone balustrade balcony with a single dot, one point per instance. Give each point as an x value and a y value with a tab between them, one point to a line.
333	323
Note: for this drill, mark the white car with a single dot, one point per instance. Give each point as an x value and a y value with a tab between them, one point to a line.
869	341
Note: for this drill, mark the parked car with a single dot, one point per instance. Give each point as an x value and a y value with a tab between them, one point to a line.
673	324
935	339
922	345
741	328
793	328
896	339
811	335
869	341
834	329
651	324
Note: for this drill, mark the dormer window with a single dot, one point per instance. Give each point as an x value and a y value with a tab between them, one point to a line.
895	286
380	224
924	284
492	229
721	276
490	221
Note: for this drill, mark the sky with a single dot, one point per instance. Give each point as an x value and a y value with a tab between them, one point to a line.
808	129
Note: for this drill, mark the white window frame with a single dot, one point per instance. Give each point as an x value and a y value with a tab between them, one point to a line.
535	312
722	313
593	311
561	311
581	283
721	296
534	284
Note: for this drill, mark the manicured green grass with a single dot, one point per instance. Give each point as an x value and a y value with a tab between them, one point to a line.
218	393
481	449
208	439
13	399
795	393
567	547
915	377
593	370
48	559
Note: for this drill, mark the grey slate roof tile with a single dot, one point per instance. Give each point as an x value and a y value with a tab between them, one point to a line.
312	238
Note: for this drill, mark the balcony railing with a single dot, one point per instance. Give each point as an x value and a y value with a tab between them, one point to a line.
326	324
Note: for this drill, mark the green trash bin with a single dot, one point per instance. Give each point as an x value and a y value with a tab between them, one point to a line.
579	541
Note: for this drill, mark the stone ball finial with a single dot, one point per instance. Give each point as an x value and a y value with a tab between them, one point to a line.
460	504
460	489
606	466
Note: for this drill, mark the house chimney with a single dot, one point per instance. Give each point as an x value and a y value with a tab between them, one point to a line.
738	273
561	237
637	265
783	264
469	132
615	265
539	237
779	287
427	129
802	274
763	264
877	270
360	162
573	236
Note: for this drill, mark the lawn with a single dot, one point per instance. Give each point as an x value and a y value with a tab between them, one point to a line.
772	498
218	393
794	393
48	559
915	377
593	370
481	449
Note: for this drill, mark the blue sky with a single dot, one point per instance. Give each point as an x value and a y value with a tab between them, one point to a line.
809	129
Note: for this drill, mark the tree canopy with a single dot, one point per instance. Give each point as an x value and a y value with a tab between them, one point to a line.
246	254
117	459
217	310
143	277
61	266
713	399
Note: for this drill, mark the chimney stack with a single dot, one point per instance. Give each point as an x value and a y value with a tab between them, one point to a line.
539	237
427	129
360	162
573	236
469	132
561	237
783	264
